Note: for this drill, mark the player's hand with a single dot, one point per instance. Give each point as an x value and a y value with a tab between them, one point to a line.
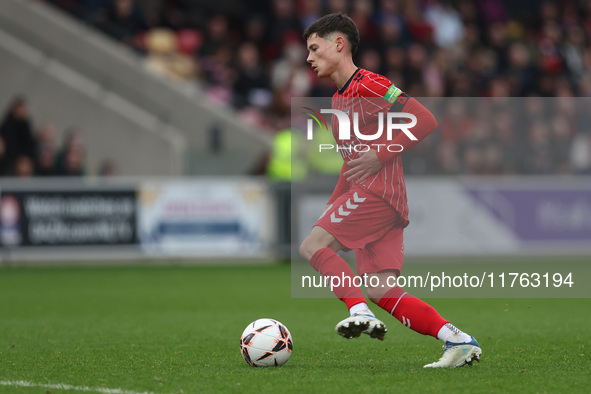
366	164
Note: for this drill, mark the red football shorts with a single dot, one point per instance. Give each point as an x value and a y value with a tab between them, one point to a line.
363	222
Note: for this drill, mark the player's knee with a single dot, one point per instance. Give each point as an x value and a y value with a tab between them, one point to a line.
375	294
308	248
318	239
380	283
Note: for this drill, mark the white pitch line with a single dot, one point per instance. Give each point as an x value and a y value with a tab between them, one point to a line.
61	386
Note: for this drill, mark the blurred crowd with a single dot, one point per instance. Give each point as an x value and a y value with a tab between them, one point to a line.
249	56
506	136
26	151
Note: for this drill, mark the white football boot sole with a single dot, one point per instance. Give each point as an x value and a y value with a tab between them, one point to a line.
361	323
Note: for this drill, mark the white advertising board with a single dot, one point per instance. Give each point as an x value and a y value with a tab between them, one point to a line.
206	218
511	216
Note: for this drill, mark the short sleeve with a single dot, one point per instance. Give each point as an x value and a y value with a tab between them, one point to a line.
377	93
375	85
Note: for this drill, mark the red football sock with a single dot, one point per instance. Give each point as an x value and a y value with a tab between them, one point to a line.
412	312
328	263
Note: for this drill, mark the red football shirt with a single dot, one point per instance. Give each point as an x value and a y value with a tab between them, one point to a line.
371	96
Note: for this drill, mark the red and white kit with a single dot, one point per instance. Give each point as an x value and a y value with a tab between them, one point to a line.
361	215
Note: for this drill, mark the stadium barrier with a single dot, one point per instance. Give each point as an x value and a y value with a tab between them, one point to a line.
121	219
482	216
235	218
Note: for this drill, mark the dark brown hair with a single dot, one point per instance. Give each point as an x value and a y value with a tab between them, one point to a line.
333	23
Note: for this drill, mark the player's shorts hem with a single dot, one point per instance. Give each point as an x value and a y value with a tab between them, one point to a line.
361	272
347	247
358	218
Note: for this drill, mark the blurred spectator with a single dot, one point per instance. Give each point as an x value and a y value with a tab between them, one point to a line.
71	157
492	11
447	25
30	154
216	37
123	20
283	26
370	60
215	58
413	72
3	160
46	135
505	130
310	12
562	133
24	167
45	164
580	154
461	48
189	41
520	71
429	48
448	158
73	164
362	14
389	18
164	57
336	6
290	75
538	159
45	152
252	85
457	124
254	31
16	133
107	168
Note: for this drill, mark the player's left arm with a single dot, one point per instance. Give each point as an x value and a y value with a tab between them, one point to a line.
370	162
426	123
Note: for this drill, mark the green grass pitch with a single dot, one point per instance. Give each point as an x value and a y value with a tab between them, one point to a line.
176	329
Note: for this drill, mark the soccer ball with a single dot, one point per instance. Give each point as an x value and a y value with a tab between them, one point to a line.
265	343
